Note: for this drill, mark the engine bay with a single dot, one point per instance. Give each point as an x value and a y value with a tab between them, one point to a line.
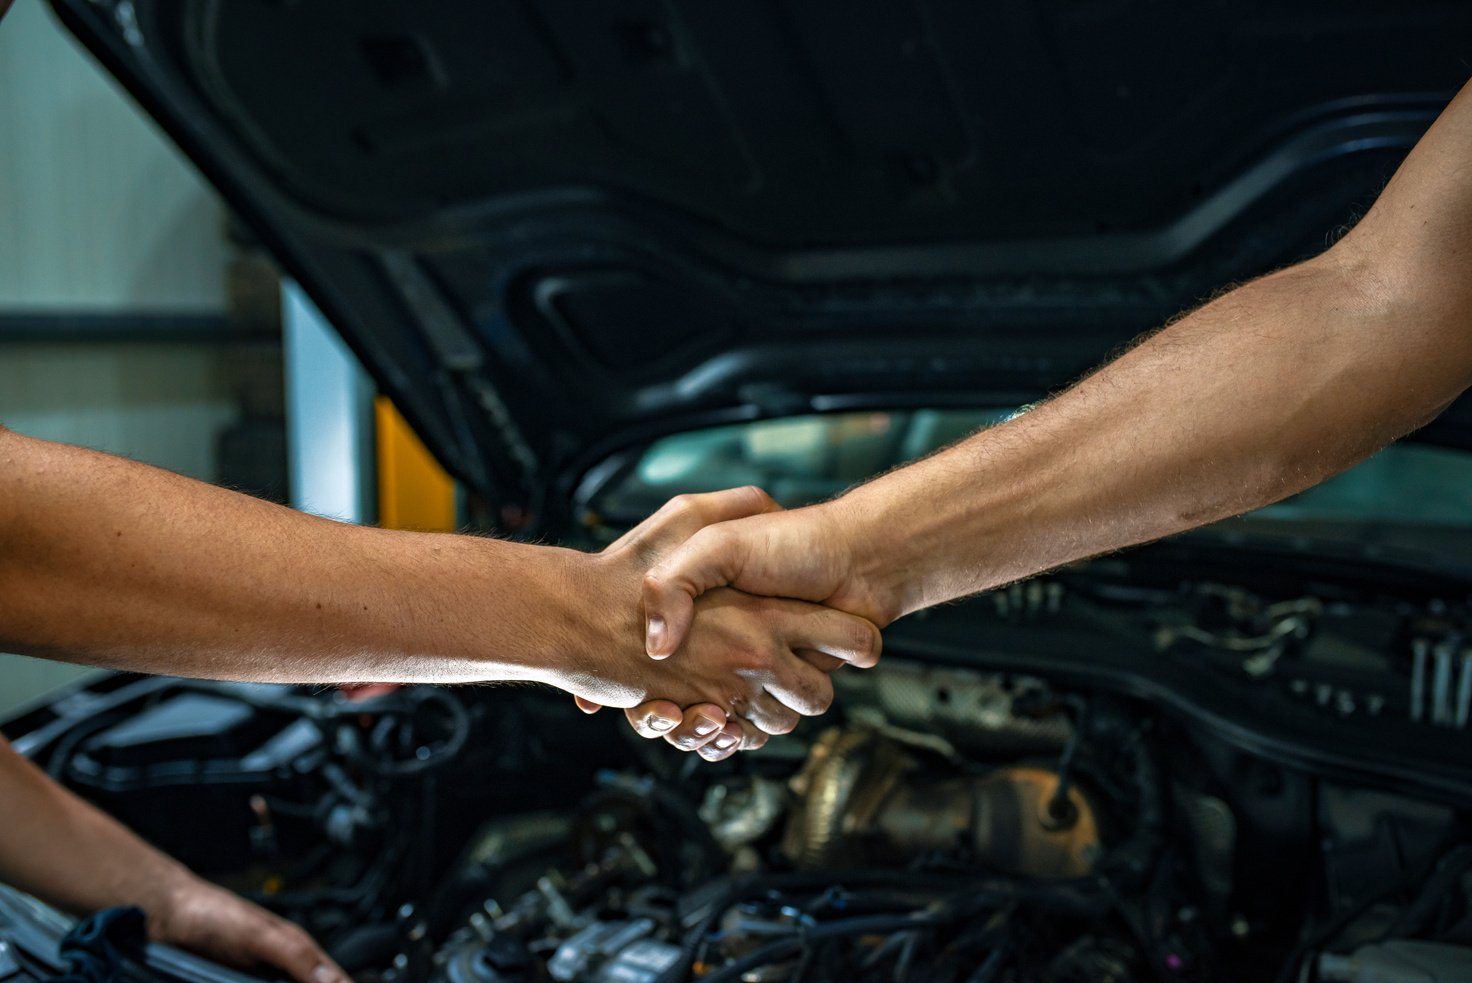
945	822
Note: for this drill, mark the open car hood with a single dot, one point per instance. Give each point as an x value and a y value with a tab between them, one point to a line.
550	229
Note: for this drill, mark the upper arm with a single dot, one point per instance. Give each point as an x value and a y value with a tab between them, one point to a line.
1409	260
1418	235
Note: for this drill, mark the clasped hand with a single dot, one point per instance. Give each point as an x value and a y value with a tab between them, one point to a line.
730	665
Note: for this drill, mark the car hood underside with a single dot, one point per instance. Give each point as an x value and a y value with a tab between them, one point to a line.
552	229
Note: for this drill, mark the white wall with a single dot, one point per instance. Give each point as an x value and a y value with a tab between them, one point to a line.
99	214
97	210
163	404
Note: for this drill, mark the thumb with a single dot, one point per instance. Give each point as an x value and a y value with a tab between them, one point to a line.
587	706
709	559
683	515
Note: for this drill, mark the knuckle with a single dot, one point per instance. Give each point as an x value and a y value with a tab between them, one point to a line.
301	950
868	643
685	742
781	723
753	658
757	497
819	697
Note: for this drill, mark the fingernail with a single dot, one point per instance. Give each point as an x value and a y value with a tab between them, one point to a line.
724	741
324	974
704	726
654	634
660	724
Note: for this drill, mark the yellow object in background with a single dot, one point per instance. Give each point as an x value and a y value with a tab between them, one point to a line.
414	492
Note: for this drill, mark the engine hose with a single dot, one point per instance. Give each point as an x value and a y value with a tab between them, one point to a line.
1434	891
991	968
1131	861
690	829
410	703
832	786
737	888
66	747
782	948
1080	898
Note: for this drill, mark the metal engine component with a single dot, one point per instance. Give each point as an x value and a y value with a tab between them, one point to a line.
864	798
829	783
1398	961
1008	817
971	710
739	813
1213	841
596	944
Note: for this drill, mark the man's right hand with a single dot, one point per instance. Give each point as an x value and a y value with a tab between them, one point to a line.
1260	393
805	553
760	660
800	554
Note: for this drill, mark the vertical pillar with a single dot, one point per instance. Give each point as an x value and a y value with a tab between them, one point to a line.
329	416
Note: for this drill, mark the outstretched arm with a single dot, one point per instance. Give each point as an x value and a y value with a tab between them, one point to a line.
64	851
1265	391
110	562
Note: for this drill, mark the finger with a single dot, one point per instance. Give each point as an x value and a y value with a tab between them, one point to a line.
292	950
772	715
843	636
682	516
710	558
655	718
819	660
328	971
702	725
753	737
726	743
800	687
587	706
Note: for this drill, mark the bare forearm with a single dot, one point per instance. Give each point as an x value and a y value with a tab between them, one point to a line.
1269	389
69	854
1256	396
110	562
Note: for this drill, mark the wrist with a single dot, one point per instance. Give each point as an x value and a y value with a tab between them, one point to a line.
170	895
596	600
867	561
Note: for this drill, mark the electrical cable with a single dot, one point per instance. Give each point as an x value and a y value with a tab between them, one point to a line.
828	931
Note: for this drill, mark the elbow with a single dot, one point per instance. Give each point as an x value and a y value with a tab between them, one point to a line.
1410	327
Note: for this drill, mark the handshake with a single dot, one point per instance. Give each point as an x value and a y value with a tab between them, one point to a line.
731	614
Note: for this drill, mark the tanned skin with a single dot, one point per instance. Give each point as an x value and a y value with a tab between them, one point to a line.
108	562
69	854
113	563
1261	393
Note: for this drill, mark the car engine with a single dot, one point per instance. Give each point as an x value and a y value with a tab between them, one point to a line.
946	822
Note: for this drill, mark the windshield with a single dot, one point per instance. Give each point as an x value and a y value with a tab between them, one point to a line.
1408	496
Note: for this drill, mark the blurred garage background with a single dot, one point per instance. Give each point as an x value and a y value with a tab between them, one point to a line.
134	318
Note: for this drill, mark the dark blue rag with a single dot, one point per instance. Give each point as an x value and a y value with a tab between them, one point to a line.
94	950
